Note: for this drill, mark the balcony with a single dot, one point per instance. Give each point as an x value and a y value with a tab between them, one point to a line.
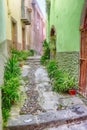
26	15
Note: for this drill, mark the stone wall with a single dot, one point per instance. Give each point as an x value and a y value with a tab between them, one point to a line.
69	61
3	55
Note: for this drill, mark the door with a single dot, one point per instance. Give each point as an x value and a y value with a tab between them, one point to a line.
14	35
23	38
53	43
83	62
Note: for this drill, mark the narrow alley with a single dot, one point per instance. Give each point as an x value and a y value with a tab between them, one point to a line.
43	64
44	109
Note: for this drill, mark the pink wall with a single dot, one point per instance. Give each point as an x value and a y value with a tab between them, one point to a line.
37	28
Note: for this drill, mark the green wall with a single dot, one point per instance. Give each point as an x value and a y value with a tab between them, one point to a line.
2	49
65	16
2	22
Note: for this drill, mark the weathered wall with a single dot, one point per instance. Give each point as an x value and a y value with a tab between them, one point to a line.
37	28
69	62
3	51
65	16
13	9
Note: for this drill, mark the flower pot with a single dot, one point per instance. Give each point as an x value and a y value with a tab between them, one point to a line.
72	91
20	64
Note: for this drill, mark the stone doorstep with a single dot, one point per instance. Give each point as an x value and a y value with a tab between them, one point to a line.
47	119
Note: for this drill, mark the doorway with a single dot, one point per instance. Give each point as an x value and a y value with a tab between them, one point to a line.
14	33
52	42
23	38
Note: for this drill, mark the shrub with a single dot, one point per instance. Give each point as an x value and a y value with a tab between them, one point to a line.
23	54
9	91
11	85
46	52
31	52
11	68
9	96
62	81
51	68
5	114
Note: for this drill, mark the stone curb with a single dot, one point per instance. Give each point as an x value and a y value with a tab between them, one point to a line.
48	119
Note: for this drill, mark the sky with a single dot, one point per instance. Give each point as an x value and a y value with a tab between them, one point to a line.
42	6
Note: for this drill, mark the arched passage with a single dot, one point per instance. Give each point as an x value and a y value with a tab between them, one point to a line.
83	52
52	42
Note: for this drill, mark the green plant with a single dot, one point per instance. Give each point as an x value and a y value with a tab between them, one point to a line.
11	68
10	87
31	52
9	95
5	114
23	54
61	80
51	68
46	52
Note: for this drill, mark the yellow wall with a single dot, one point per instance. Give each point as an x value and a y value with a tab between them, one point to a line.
13	9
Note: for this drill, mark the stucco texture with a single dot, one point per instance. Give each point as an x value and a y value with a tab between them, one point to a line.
69	62
13	10
65	16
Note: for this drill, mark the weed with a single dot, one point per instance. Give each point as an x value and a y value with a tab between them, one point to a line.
46	52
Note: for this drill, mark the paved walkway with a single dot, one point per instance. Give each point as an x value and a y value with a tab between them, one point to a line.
41	108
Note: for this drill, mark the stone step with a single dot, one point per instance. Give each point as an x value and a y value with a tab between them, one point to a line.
48	119
78	125
33	62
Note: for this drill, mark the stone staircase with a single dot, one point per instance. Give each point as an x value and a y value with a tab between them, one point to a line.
52	118
35	60
48	119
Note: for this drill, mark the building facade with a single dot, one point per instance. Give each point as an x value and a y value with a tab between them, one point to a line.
14	26
67	38
37	28
18	19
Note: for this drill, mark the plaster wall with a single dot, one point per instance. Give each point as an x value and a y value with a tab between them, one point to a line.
37	29
3	52
65	16
13	10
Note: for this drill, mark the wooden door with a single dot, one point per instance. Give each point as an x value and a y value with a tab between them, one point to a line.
83	63
53	43
14	35
23	38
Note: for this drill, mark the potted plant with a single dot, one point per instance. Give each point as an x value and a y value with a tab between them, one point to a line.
72	91
72	86
21	62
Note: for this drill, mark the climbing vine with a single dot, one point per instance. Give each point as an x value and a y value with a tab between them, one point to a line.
48	3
